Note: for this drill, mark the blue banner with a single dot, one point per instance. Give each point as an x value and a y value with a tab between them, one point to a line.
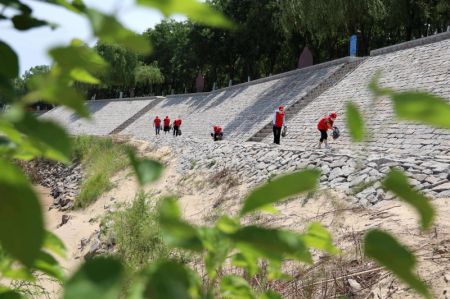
353	41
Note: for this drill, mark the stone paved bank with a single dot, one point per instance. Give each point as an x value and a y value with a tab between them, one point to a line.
241	110
341	170
425	68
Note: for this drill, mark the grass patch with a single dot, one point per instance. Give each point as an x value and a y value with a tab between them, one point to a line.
224	177
137	233
101	158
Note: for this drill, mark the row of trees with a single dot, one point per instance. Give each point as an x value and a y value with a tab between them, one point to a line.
268	39
271	35
127	73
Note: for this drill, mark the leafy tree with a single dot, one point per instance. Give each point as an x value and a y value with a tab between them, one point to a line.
173	54
326	26
148	75
21	83
122	64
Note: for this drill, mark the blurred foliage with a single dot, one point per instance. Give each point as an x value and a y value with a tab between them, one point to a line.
26	248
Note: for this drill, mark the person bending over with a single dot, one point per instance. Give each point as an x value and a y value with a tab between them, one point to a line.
217	134
325	124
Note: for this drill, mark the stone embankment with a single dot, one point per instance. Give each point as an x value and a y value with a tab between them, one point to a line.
357	174
63	181
425	68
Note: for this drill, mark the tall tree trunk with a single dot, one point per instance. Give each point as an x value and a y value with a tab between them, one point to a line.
409	25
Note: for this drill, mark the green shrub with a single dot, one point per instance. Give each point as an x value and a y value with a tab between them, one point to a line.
137	233
101	159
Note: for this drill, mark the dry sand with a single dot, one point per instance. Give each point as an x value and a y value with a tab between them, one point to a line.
201	203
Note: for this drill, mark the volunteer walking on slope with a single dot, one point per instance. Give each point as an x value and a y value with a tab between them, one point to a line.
325	124
157	124
176	127
166	124
278	123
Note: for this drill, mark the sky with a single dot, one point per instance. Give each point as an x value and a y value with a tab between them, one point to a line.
32	45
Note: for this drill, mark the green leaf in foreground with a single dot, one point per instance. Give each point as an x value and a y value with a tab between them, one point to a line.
21	223
397	183
375	87
109	30
246	260
217	247
273	244
99	278
54	244
270	295
47	264
235	287
81	62
47	136
147	171
386	250
193	9
171	280
53	89
319	237
10	62
25	22
10	294
176	232
355	122
422	107
281	188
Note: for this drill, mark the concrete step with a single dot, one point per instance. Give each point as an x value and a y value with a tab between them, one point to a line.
133	118
316	91
256	139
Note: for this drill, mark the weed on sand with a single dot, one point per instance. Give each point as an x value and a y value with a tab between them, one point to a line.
101	158
136	232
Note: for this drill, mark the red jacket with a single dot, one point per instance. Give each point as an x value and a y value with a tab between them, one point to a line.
157	122
278	119
166	122
325	123
177	122
217	129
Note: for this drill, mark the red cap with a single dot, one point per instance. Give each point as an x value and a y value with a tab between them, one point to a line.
333	114
281	107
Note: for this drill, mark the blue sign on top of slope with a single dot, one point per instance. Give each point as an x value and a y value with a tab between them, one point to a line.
353	40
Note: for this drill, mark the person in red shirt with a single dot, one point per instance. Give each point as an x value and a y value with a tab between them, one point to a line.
218	134
325	124
176	127
279	121
166	124
157	124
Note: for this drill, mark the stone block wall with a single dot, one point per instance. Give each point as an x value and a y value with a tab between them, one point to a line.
358	174
241	110
106	116
421	68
